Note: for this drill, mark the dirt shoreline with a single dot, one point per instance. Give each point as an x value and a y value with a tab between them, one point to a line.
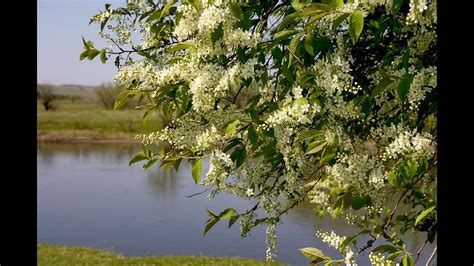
82	137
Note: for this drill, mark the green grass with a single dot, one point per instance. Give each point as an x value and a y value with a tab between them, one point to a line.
63	255
89	120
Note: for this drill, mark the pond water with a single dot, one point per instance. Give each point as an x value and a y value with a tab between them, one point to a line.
89	196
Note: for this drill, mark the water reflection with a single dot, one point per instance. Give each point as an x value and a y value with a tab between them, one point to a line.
88	195
162	183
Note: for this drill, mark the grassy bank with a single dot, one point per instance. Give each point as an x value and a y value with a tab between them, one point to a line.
77	121
63	255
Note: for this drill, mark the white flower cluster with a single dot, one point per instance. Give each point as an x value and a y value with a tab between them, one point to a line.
212	81
271	242
332	239
423	82
219	169
334	78
188	23
423	38
208	139
246	222
378	259
358	168
385	134
101	17
210	19
297	113
409	142
349	259
417	7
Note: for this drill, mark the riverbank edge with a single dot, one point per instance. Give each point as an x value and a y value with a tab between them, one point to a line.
84	136
48	254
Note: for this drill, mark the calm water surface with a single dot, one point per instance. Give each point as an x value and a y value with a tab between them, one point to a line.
89	196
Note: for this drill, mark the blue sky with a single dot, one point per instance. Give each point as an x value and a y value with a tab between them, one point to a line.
60	25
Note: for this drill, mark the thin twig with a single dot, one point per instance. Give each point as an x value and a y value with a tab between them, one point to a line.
431	257
417	254
403	195
199	193
291	52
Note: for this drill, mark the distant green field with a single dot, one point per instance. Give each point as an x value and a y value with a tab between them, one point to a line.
87	119
83	91
63	255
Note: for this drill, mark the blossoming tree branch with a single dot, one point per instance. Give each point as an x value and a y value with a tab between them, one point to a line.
331	101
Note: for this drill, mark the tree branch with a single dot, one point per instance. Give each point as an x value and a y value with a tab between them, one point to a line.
199	193
432	256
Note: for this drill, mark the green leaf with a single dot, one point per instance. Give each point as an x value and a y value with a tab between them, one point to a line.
298	4
327	157
316	16
315	8
173	60
181	46
294	44
385	248
259	221
103	57
367	106
147	114
288	20
238	156
176	164
123	97
227	213
92	54
380	87
359	202
209	224
287	73
236	10
284	35
196	4
309	44
232	128
314	254
150	163
345	243
252	136
140	156
197	170
217	34
166	8
423	214
396	6
349	239
277	55
316	146
404	86
394	255
154	16
84	55
233	219
299	102
334	3
309	134
408	260
182	98
231	144
339	20
356	24
209	212
86	44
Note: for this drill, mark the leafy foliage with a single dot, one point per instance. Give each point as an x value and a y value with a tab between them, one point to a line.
328	101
